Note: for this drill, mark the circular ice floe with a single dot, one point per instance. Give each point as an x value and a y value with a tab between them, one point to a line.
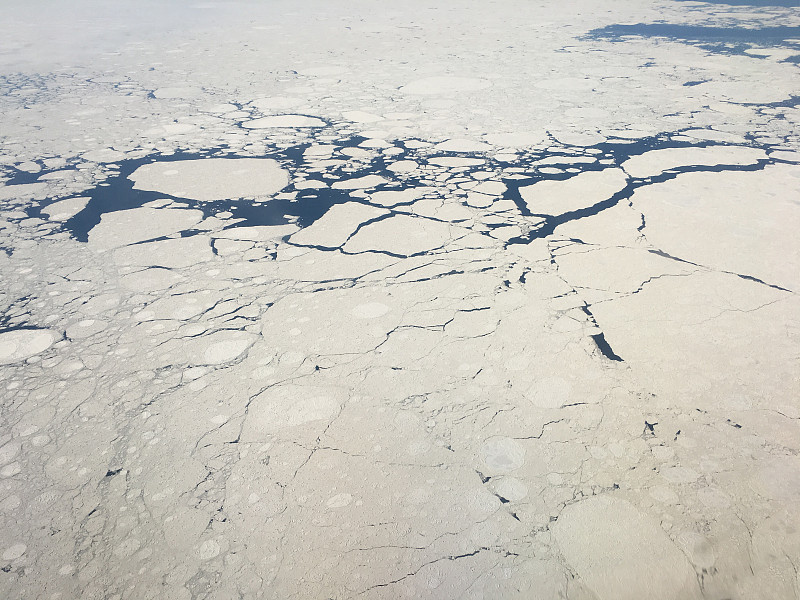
502	454
9	452
208	550
403	166
226	350
698	548
283	121
609	542
209	179
455	161
519	139
292	406
339	501
10	503
370	310
462	145
18	345
476	200
14	552
10	470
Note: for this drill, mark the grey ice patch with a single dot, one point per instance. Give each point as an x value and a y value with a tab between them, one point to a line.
502	454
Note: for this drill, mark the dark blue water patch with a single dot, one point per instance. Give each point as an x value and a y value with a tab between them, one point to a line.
605	348
7	328
618	151
10	83
768	109
699	33
16	315
117	192
791	102
308	205
20	177
764	3
725	40
552	222
621	153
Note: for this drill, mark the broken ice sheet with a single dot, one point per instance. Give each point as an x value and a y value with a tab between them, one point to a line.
455	302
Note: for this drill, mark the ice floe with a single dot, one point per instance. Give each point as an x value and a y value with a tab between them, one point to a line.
17	345
212	178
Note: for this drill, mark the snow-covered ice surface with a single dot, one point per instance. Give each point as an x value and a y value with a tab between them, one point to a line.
434	300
